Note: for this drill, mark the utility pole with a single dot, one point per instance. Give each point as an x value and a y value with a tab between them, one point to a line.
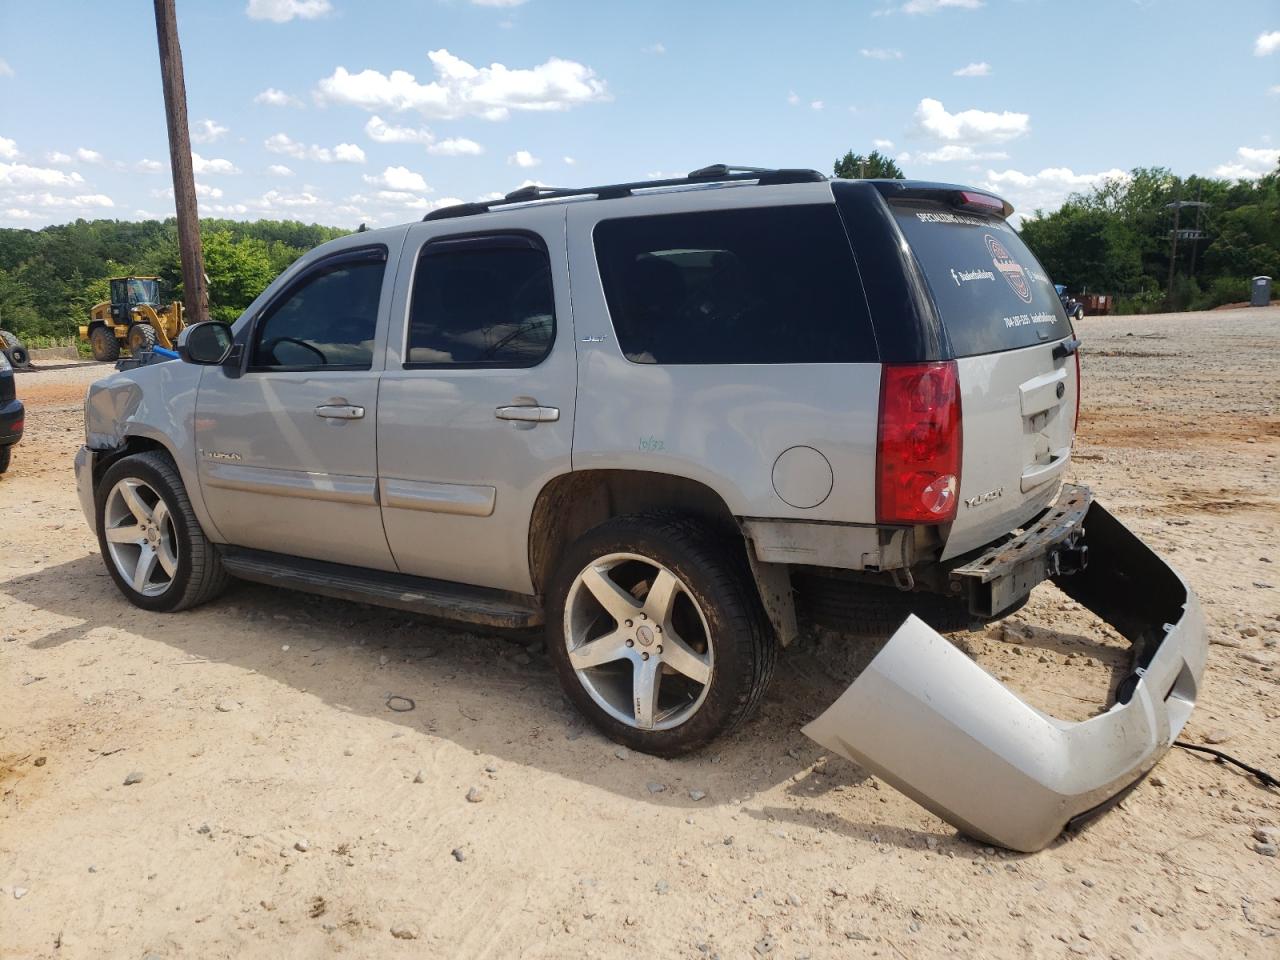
195	294
1175	234
1173	243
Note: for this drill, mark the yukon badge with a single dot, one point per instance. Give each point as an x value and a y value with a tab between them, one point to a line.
982	498
221	455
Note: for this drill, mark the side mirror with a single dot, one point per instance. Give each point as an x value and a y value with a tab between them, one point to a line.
208	344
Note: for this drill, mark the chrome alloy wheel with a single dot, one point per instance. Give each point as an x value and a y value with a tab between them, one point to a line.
638	641
140	537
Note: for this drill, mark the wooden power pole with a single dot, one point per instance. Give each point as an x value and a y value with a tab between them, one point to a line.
195	294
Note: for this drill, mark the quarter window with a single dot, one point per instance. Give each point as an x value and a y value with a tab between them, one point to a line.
758	285
327	322
481	302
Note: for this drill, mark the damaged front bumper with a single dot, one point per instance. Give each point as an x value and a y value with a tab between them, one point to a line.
935	725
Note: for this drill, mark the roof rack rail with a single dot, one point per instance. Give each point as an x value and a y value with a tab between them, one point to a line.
716	173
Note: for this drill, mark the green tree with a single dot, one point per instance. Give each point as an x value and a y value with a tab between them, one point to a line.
874	166
238	270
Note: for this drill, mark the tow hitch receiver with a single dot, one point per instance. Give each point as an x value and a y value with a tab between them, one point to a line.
935	725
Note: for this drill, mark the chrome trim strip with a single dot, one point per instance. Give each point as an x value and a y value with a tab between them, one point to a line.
292	483
462	499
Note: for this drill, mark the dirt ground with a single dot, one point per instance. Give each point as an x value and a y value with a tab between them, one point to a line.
285	810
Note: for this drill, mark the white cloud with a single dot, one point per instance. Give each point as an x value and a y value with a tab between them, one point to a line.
880	53
342	153
5	69
498	3
882	144
347	153
58	157
914	7
455	147
48	200
1251	163
279	170
1274	91
399	178
1266	43
151	166
13	213
282	11
982	69
793	98
379	131
461	89
569	160
21	174
207	131
217	165
974	126
951	153
9	149
523	158
656	48
816	105
1047	189
85	155
272	97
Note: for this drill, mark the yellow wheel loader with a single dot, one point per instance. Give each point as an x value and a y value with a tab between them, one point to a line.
132	319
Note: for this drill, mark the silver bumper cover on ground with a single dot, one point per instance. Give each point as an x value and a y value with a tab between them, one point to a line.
935	725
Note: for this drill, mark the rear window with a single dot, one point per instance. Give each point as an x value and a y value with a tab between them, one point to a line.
760	285
991	292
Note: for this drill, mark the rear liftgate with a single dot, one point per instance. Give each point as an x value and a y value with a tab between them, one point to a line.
935	725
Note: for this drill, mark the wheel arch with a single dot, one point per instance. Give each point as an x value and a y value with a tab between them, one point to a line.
572	503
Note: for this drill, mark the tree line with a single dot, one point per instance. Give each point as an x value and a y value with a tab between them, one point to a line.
50	278
1111	239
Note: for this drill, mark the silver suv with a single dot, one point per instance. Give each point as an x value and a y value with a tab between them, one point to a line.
674	421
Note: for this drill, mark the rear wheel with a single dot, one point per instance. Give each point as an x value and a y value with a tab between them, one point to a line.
18	355
5	456
142	336
106	349
151	541
657	634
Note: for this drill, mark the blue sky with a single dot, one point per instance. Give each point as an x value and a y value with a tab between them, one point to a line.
343	111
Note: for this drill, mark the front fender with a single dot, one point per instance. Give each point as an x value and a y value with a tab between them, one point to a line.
154	403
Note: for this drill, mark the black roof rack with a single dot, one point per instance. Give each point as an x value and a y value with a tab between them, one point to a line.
716	173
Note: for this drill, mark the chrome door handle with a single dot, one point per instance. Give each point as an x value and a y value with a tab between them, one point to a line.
340	411
529	414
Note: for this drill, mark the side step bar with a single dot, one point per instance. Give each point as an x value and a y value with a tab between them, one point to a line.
433	598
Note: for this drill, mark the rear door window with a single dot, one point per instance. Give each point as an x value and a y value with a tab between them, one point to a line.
757	285
990	290
481	302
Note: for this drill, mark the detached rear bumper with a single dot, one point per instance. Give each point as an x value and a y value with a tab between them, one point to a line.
938	727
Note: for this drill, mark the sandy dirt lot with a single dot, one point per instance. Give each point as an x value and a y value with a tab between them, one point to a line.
284	810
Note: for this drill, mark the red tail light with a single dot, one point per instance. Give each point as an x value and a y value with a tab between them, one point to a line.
918	451
1079	384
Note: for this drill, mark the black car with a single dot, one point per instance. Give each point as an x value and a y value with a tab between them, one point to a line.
12	413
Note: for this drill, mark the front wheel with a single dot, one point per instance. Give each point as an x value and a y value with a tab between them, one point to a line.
142	336
151	541
657	634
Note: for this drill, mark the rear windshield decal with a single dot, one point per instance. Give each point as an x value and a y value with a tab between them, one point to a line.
1009	268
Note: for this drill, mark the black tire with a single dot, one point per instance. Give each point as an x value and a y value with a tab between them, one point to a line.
200	575
13	348
142	336
1079	315
6	455
869	610
719	582
106	348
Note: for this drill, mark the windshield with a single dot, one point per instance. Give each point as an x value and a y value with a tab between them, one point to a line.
990	290
144	291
